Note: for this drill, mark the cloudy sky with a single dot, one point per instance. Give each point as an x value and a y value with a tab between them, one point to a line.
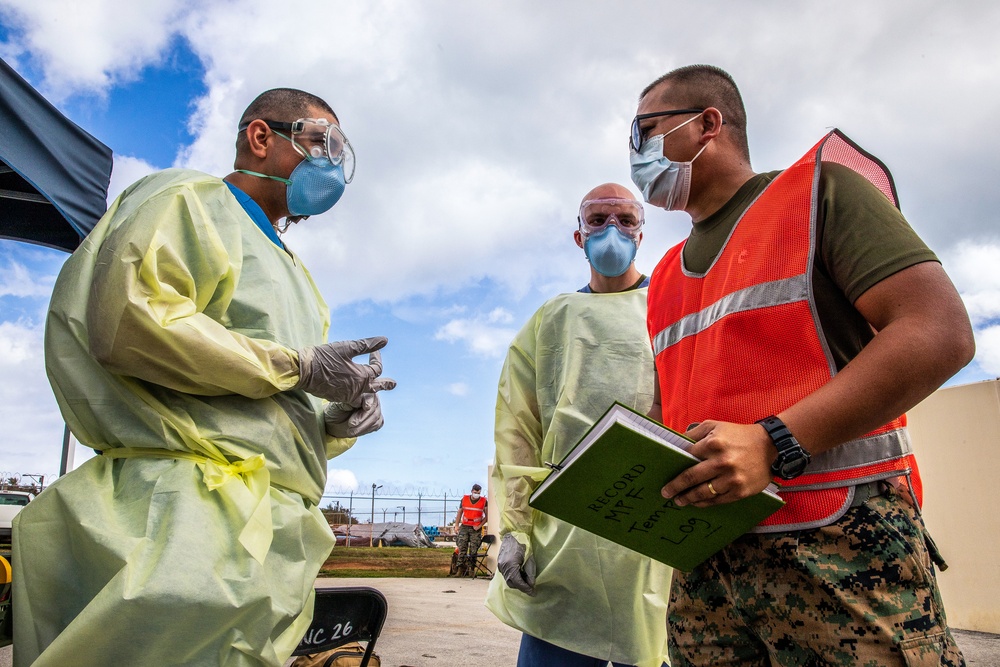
478	127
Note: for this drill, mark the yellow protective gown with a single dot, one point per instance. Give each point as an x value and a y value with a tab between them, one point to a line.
577	355
196	538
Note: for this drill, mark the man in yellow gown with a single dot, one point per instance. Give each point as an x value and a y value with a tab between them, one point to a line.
579	599
187	345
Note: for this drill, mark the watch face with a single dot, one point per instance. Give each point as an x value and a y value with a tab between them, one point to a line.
792	465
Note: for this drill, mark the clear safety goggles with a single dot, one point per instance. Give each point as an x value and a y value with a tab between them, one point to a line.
625	214
316	138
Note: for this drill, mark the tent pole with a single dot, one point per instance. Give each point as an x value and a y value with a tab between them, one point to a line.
68	453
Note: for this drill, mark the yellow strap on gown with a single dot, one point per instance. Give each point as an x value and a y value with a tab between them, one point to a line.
256	535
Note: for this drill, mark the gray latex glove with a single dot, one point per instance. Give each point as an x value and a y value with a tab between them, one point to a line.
329	370
517	571
346	421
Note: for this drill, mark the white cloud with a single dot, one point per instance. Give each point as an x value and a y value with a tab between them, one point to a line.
126	171
340	480
500	316
18	345
480	333
31	423
478	127
988	349
973	269
18	280
458	388
88	46
434	232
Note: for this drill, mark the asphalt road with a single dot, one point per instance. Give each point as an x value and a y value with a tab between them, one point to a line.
443	623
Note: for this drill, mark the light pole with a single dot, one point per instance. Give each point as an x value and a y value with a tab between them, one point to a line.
350	519
371	533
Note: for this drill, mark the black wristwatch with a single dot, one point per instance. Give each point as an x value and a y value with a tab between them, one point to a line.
792	459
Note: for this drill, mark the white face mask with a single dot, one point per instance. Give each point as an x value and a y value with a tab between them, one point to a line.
474	496
663	182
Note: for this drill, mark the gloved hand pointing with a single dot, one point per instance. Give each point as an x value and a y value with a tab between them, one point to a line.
517	571
329	370
345	421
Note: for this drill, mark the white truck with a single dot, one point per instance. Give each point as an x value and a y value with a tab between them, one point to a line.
11	503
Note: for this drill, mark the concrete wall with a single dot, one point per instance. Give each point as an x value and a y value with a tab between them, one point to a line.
956	435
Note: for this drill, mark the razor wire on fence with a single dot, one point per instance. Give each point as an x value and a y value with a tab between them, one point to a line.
17	481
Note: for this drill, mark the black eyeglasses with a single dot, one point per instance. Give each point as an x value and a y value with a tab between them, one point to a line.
635	141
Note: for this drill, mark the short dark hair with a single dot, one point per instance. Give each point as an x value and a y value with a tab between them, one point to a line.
703	86
476	487
280	104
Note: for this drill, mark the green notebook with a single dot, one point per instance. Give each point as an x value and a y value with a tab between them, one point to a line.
610	485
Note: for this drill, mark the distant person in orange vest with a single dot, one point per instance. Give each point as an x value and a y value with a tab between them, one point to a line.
791	331
469	523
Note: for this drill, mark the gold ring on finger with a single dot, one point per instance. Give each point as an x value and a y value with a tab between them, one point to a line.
712	489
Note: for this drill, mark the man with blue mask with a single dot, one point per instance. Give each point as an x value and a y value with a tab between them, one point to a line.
318	181
792	329
187	345
579	600
610	231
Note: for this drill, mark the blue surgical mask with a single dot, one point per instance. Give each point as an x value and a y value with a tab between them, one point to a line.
610	252
663	182
313	187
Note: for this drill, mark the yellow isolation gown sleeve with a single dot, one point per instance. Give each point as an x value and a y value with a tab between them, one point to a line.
158	279
195	538
577	355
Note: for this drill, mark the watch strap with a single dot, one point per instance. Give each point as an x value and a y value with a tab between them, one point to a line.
776	429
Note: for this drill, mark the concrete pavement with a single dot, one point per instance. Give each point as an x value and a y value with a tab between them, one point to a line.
443	623
439	622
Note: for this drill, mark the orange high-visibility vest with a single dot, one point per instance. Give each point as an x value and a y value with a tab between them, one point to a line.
744	341
473	513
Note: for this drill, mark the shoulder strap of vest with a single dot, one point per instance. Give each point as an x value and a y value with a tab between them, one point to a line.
838	148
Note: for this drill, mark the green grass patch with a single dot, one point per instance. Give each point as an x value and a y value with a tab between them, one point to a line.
387	562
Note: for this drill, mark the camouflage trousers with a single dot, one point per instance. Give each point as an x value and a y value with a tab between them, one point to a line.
468	541
860	591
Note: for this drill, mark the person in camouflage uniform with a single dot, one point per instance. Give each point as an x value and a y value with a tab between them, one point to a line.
803	295
857	563
469	524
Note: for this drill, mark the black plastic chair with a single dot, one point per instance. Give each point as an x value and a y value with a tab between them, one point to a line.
344	615
479	566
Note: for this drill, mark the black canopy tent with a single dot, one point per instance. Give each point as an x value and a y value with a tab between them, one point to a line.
53	175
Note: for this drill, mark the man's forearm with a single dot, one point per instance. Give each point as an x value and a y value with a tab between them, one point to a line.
914	354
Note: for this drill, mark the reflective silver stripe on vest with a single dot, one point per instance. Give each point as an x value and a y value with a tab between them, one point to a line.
853	454
764	295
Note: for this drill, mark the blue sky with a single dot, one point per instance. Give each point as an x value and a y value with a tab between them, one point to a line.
478	127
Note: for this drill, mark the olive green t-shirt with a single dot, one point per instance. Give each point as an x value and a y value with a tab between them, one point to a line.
861	239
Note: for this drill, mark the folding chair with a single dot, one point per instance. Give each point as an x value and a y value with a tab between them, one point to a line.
344	615
479	566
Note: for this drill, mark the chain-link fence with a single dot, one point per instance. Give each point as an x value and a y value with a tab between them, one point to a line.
379	504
